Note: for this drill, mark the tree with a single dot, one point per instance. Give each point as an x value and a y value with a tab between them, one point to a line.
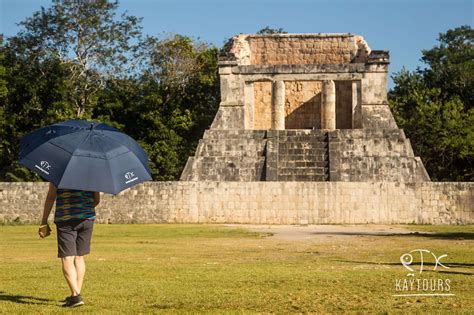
37	96
3	73
168	107
76	59
268	30
88	41
434	106
451	65
3	117
188	75
58	65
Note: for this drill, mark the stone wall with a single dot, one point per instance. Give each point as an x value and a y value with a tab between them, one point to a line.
303	104
306	49
263	203
374	155
228	155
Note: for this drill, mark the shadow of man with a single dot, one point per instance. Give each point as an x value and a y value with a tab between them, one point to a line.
23	299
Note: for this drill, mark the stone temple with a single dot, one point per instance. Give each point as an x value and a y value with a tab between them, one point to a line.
303	135
304	107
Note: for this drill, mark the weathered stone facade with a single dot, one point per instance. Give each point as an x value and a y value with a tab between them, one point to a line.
303	107
263	203
303	135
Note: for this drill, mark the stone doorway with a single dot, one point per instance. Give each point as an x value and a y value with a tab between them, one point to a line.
344	109
302	105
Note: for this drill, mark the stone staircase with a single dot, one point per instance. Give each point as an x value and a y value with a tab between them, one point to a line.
352	155
302	155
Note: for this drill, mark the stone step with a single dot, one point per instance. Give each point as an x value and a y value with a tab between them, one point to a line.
229	150
228	169
230	159
301	150
302	145
300	138
234	134
367	134
303	178
233	141
233	154
298	163
231	147
295	155
230	154
302	155
309	171
230	177
301	132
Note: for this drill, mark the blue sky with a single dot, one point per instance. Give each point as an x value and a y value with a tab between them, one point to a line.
404	27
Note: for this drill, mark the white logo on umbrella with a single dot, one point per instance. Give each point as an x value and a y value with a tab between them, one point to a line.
45	166
130	176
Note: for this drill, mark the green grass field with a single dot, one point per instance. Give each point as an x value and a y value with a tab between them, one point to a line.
212	268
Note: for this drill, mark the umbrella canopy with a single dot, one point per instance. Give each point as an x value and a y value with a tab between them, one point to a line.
92	156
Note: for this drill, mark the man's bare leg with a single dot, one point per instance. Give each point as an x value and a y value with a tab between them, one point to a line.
70	273
80	270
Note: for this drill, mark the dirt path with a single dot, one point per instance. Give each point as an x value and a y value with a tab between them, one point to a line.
324	232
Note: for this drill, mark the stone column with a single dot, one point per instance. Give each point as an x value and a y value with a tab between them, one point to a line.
278	105
249	104
328	105
356	105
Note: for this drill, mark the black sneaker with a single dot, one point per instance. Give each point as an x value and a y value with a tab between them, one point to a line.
73	301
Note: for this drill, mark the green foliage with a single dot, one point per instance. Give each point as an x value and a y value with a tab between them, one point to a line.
3	74
434	106
87	39
269	30
168	107
451	65
36	97
163	93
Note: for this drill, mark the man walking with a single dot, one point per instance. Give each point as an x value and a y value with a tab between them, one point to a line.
74	218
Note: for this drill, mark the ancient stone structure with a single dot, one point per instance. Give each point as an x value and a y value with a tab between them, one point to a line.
262	203
303	107
303	135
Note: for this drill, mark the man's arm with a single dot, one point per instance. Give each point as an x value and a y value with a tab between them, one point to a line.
48	204
96	199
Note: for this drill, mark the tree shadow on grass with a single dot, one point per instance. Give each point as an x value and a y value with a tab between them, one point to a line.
23	299
435	235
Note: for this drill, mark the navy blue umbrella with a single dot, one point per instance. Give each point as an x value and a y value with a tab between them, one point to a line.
78	154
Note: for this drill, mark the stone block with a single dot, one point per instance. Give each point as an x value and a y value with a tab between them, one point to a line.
377	117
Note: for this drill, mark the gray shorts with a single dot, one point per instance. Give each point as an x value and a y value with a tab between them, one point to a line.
74	237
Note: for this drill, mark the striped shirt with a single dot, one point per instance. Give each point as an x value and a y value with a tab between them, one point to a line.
74	205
